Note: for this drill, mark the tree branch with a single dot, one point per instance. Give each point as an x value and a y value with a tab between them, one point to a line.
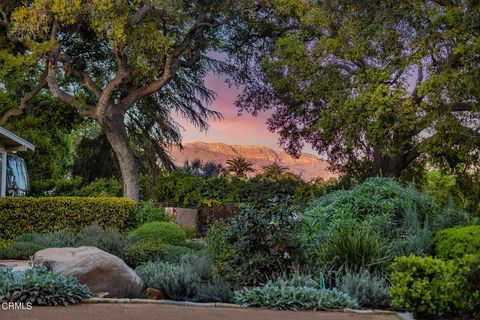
169	69
144	10
82	77
23	103
4	20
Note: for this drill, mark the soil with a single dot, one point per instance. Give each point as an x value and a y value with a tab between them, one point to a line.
168	312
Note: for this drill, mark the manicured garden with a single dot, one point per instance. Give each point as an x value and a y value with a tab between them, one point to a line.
380	244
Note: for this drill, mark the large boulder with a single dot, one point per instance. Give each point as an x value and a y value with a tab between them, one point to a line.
99	270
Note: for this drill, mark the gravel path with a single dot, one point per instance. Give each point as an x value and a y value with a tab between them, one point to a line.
167	312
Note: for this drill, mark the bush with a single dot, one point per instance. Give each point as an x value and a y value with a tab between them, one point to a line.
218	246
24	215
392	211
109	240
144	251
177	282
218	290
41	287
19	250
356	247
456	242
284	297
369	289
451	216
55	239
165	232
434	287
263	243
149	212
201	264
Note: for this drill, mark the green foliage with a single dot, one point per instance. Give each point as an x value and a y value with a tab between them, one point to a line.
218	246
451	216
260	243
196	245
398	216
356	247
41	287
201	264
218	290
434	287
281	296
24	215
165	232
369	289
457	242
101	187
20	250
149	212
177	282
109	240
143	251
3	243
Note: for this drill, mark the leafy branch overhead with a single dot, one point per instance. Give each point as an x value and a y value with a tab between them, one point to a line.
106	57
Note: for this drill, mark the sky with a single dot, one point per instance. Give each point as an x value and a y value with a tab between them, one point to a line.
242	129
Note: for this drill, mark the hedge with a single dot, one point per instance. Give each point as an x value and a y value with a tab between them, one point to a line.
456	242
431	287
45	214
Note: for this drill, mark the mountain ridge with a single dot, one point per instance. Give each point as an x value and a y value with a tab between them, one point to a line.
308	166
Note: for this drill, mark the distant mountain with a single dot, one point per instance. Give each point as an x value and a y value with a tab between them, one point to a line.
307	166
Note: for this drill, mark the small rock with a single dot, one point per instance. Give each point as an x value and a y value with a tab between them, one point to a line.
155	294
101	294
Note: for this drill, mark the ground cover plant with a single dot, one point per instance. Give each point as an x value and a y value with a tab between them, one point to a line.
40	286
285	295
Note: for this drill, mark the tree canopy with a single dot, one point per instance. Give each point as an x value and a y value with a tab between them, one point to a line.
124	64
374	85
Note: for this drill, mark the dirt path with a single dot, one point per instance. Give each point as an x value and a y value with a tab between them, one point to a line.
166	312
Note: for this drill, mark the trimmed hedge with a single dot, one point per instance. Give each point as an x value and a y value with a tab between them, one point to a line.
431	287
161	231
46	214
457	242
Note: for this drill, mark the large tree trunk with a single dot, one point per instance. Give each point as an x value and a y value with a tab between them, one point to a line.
392	166
116	133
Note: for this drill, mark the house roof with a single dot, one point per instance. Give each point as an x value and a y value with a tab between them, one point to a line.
11	142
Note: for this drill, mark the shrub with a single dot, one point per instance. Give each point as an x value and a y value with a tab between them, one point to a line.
196	245
41	287
24	215
451	216
386	207
55	239
102	187
456	242
172	254
177	282
147	212
218	290
434	287
19	250
3	243
355	247
218	246
165	232
109	240
263	243
369	289
201	264
283	297
141	252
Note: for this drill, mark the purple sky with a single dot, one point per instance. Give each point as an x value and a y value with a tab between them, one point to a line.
232	129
